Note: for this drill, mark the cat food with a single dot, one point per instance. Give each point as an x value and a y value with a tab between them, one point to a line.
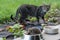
33	31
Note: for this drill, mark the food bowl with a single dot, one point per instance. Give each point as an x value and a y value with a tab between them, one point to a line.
51	30
31	37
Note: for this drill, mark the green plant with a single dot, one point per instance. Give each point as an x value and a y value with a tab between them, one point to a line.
52	13
17	30
4	38
5	19
54	20
33	19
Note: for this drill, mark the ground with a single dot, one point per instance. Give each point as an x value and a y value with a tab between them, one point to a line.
48	37
52	37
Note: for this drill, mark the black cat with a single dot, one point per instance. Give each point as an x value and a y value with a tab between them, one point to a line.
30	10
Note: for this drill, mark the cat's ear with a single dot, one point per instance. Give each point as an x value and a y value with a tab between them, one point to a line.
49	6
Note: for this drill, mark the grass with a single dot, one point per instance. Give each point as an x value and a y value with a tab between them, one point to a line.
8	7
